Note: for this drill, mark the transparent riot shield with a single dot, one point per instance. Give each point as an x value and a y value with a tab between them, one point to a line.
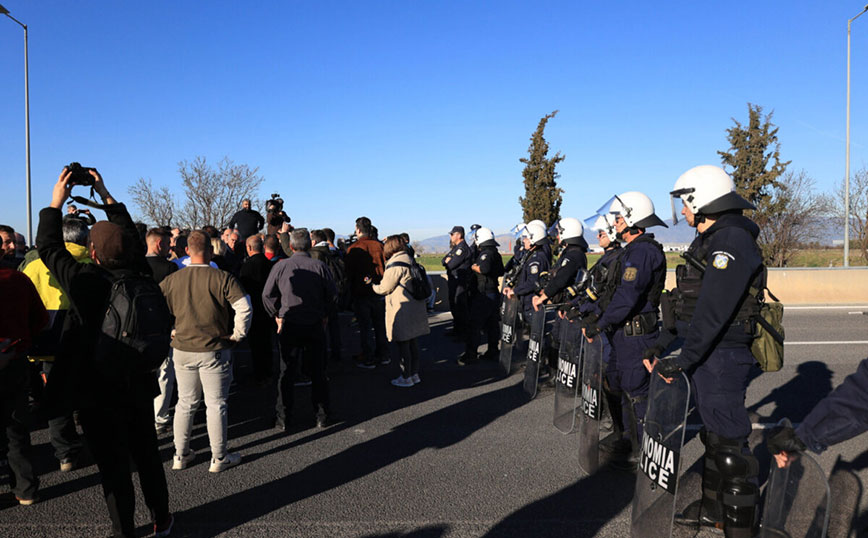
508	315
534	351
592	401
567	381
663	437
797	499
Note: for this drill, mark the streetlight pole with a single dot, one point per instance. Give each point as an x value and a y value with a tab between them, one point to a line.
847	166
5	11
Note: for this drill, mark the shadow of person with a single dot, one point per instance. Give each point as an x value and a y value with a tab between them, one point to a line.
795	398
432	531
437	430
578	510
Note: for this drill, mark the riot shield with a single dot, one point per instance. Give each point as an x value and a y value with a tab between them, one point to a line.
663	437
534	351
797	499
567	382
508	314
592	395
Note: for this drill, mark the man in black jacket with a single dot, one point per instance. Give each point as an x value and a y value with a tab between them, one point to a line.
484	298
254	273
115	405
247	221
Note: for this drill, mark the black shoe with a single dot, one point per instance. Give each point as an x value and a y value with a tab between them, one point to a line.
493	356
695	517
322	418
617	446
464	359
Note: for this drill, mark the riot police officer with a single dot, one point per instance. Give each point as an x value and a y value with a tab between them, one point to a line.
536	263
713	305
484	297
457	263
572	259
631	315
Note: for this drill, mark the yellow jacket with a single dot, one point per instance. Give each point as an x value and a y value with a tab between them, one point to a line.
52	295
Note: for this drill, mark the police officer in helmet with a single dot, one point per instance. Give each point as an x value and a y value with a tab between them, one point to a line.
535	263
713	305
631	316
484	297
572	259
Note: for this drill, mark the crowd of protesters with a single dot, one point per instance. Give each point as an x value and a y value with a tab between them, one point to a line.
217	288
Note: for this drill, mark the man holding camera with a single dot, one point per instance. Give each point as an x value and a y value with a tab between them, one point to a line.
84	215
115	404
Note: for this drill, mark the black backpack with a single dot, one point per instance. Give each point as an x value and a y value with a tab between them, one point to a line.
137	326
339	275
419	285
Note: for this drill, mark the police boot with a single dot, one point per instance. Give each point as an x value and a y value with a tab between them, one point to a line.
706	511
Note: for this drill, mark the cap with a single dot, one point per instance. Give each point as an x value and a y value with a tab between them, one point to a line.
457	229
108	240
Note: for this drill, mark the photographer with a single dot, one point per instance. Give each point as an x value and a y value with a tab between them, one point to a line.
115	403
84	215
246	221
276	216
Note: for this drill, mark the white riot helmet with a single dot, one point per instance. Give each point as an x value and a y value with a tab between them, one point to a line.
484	234
603	223
637	210
705	190
536	232
537	221
569	229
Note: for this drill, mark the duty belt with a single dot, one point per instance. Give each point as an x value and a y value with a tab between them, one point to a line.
640	324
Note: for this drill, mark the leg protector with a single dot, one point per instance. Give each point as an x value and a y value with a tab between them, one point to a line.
708	510
739	493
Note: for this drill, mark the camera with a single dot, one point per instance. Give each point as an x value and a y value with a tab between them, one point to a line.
275	204
80	175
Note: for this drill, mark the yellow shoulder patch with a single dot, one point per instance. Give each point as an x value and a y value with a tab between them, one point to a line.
630	274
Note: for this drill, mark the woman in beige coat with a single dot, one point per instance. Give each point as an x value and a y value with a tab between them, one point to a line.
406	317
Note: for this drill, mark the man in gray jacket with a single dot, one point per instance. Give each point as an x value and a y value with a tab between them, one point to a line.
298	293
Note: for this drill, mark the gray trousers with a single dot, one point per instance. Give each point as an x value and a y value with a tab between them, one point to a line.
202	373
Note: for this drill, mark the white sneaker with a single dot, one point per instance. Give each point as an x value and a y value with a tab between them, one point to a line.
416	379
181	462
229	460
402	381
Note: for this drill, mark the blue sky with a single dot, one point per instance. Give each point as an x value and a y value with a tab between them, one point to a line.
416	113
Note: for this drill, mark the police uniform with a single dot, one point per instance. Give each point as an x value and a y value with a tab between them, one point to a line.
571	260
457	263
630	319
712	309
527	286
485	300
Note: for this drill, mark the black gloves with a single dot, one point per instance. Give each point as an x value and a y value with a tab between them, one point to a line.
574	313
652	352
667	368
783	439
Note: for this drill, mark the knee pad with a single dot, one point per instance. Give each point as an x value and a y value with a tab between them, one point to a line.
738	492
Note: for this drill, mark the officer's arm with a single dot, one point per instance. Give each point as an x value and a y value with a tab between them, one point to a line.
529	285
727	277
485	263
565	274
634	280
457	259
841	415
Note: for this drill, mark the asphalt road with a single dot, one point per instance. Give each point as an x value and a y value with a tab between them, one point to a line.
462	454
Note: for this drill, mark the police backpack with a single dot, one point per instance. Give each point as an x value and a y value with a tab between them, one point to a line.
136	330
419	286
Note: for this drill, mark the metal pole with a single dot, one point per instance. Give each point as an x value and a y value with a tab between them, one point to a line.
847	165
27	139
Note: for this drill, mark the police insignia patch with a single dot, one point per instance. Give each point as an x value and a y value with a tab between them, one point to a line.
720	261
566	261
484	256
458	252
630	274
534	269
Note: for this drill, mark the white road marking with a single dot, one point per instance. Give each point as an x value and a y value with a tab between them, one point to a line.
754	426
844	307
828	343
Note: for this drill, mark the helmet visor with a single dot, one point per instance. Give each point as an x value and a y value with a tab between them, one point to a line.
676	195
518	231
554	230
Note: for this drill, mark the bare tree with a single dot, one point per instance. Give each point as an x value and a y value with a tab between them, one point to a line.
157	206
858	209
793	212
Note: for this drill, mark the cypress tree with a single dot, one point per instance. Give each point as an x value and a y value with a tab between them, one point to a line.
542	196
